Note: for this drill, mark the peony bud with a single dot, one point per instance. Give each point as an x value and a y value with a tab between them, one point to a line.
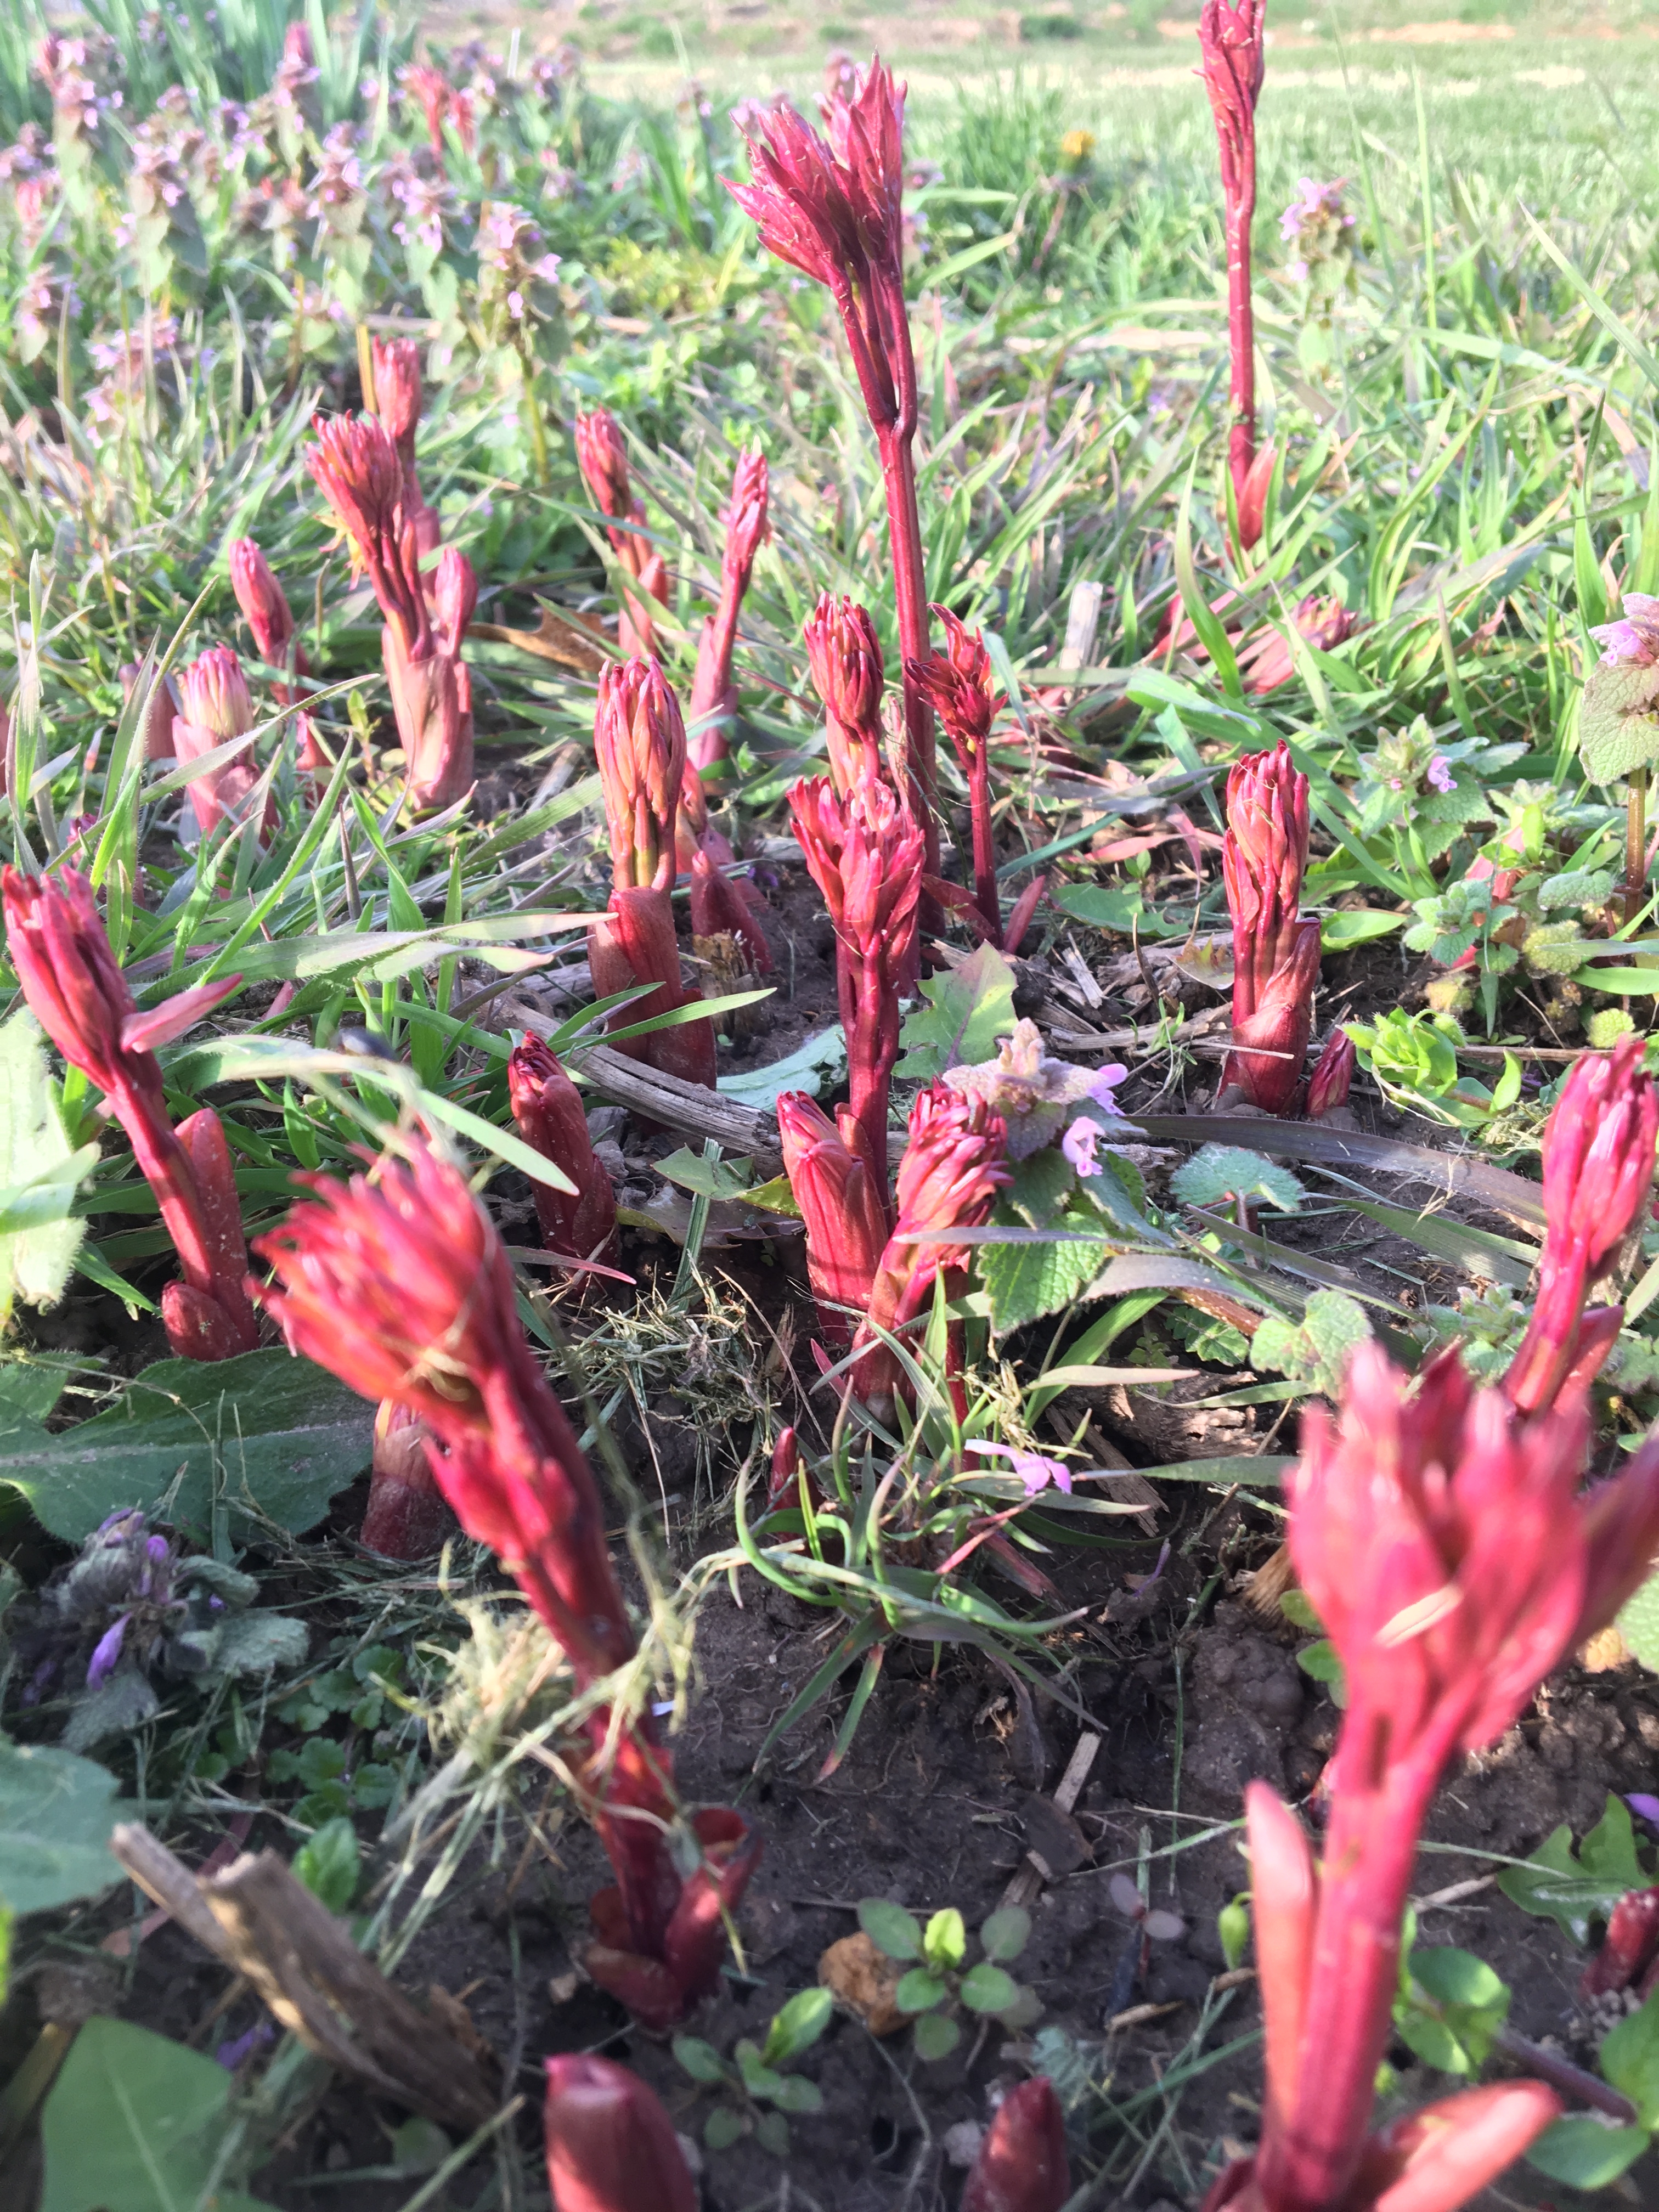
1022	2165
611	2146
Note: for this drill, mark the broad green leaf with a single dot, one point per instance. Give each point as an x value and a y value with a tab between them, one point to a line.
1554	1885
56	1815
1452	2010
1352	926
795	2093
758	2078
1315	1354
985	1988
891	1928
817	1066
722	2128
699	2059
920	1991
329	1864
1639	1624
937	2035
1006	1933
798	2025
1629	2058
968	1007
132	2124
280	1434
39	1171
1584	2153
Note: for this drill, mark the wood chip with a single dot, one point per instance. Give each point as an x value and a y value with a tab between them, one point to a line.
1138	2015
1034	1870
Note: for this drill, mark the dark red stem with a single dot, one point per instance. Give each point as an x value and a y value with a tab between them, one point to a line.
986	897
1241	315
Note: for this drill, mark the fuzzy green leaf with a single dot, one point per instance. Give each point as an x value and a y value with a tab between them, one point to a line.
55	1815
968	1007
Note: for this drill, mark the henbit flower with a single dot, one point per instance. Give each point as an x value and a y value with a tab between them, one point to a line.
1438	775
1077	1146
961	689
611	2146
398	1282
106	1652
1333	1076
1022	2165
1231	42
547	1108
866	855
844	1207
1441	1539
1034	1470
59	948
1275	953
639	744
952	1168
844	656
407	1516
713	701
1633	639
1033	1093
1598	1181
833	209
1434	2160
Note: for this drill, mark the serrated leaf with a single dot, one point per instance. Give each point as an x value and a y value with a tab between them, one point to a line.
281	1432
1618	727
1216	1173
56	1815
968	1008
891	1928
1024	1282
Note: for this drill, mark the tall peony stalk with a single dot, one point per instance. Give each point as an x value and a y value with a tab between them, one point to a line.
398	1282
1230	36
832	208
57	942
357	468
603	459
713	701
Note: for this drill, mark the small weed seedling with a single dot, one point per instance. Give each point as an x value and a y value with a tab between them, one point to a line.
760	2096
936	1989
